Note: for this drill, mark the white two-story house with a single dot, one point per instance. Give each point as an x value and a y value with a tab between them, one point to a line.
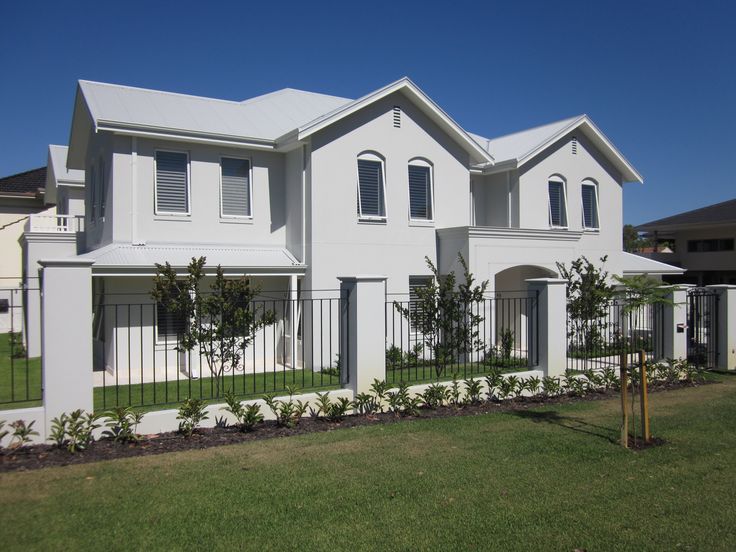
294	189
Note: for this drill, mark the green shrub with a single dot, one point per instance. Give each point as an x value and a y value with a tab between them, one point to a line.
122	423
472	391
21	435
17	347
551	386
247	416
333	411
435	395
191	413
288	413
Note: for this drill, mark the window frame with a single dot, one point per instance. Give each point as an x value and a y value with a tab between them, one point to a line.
421	162
101	190
563	183
591	184
156	210
375	157
92	171
428	279
250	188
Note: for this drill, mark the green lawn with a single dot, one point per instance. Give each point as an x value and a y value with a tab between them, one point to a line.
20	379
426	372
544	479
151	396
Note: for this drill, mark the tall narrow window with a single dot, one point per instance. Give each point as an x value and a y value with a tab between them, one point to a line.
557	206
169	325
371	192
420	191
590	205
415	310
102	191
92	192
235	187
172	183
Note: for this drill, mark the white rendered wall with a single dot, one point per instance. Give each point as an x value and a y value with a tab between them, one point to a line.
340	243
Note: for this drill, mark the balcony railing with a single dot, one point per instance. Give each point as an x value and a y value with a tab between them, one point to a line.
60	224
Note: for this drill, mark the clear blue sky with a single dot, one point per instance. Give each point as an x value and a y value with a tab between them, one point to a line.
659	78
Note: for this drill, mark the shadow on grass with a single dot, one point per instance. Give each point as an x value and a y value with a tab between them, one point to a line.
568	422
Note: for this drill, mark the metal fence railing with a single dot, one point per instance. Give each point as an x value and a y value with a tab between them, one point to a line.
141	357
702	327
20	374
496	333
597	343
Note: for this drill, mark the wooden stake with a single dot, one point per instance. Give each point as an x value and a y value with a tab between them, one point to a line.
624	403
644	398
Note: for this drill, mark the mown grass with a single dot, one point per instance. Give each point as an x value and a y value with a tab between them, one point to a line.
426	372
164	394
548	478
20	378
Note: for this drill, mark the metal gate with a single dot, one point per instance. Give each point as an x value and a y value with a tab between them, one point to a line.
702	327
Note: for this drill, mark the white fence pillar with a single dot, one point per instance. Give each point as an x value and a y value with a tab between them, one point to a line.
66	337
726	326
674	324
363	327
550	342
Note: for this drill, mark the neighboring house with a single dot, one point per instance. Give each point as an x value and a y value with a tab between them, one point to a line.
295	189
21	195
703	242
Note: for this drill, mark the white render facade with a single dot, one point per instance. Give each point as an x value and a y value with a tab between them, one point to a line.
330	187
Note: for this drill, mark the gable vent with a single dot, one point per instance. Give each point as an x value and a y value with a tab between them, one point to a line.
397	116
574	145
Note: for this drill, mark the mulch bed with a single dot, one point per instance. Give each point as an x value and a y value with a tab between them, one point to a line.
42	456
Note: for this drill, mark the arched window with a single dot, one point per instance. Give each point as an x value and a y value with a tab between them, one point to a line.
421	200
557	202
589	199
371	187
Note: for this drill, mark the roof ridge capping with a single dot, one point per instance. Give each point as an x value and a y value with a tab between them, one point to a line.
402	84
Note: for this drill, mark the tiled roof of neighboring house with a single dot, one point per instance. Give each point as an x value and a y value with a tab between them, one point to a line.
26	184
719	213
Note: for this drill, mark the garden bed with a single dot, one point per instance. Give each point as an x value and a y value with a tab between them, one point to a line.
41	456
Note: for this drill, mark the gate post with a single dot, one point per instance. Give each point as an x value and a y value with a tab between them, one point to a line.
364	332
66	337
552	328
674	323
726	329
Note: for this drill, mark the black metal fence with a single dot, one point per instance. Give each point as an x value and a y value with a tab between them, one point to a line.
499	332
142	358
598	342
20	373
702	327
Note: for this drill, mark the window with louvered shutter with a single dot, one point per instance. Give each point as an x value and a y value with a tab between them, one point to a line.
590	206
172	186
415	310
169	325
371	201
420	192
235	187
557	208
92	183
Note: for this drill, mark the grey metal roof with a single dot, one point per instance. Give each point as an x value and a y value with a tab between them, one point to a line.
519	144
264	117
635	264
57	159
130	257
719	213
26	184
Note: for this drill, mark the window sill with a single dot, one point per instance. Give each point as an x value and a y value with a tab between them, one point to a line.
371	221
559	227
236	220
421	223
173	218
592	230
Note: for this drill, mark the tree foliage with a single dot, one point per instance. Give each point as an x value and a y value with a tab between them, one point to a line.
447	315
221	322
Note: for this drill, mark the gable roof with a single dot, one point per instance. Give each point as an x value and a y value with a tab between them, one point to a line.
29	184
514	150
719	213
57	162
433	111
270	121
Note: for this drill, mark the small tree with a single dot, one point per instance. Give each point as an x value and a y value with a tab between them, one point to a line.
222	322
638	292
588	298
447	315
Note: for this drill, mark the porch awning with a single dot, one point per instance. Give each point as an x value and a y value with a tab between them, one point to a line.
140	260
632	264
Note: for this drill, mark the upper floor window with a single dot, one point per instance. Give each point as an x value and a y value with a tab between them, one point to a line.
92	183
235	188
102	189
420	190
589	192
709	246
557	203
371	187
172	183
